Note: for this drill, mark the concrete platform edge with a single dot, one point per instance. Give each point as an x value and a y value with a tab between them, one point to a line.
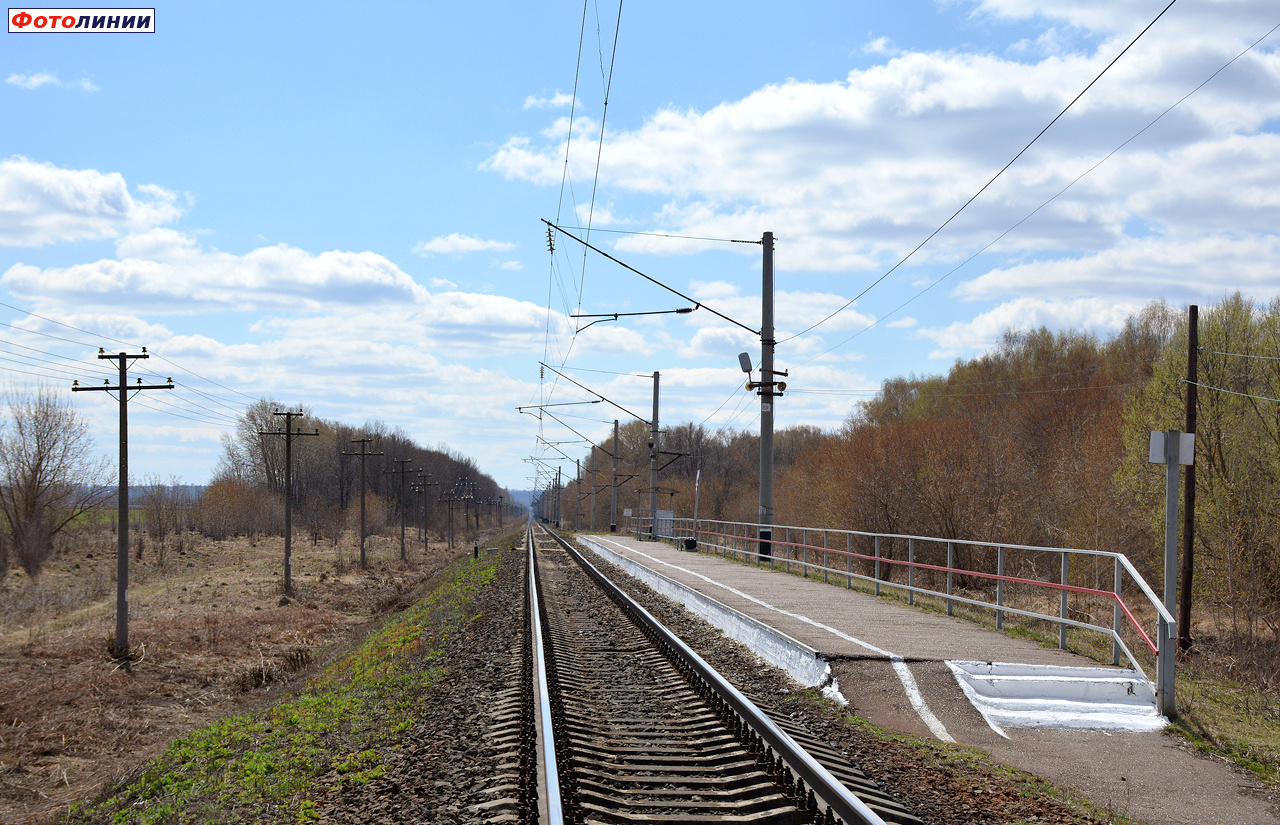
777	648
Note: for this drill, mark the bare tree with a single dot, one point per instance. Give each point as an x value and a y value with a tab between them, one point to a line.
162	509
48	473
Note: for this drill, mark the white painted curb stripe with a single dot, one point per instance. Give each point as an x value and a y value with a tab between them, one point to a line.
899	664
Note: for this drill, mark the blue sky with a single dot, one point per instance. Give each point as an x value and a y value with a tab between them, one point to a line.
341	207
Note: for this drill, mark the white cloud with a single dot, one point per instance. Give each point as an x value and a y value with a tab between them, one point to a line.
514	266
556	101
443	283
965	337
880	45
905	322
456	243
168	270
41	204
854	173
32	81
35	81
1205	267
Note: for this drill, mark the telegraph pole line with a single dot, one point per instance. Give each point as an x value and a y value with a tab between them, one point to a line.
122	391
288	434
364	454
402	467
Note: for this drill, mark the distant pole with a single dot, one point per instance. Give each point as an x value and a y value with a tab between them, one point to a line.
500	498
767	395
613	500
402	467
288	434
1189	484
364	453
592	459
653	463
122	390
577	492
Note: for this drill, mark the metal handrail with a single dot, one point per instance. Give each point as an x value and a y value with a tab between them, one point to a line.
747	533
1078	551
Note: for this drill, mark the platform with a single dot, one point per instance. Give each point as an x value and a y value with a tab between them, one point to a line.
891	663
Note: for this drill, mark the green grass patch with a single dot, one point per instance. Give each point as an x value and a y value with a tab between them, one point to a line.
1230	719
260	767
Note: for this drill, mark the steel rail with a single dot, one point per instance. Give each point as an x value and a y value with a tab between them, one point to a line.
552	798
839	799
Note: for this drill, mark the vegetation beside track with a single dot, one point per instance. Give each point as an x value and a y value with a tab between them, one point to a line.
259	766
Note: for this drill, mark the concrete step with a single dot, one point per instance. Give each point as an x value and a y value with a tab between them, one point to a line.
1047	696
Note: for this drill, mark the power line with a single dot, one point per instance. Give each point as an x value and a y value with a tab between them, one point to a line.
994	177
593	392
1241	355
697	304
1229	392
1033	212
595	181
663	235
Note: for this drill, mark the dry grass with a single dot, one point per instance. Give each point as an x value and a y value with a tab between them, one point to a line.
211	635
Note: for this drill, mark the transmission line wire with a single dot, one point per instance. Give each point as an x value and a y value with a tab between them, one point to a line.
993	179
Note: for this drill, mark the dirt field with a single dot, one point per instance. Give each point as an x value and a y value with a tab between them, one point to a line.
212	635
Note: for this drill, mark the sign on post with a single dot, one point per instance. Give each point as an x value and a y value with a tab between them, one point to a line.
1183	446
1170	448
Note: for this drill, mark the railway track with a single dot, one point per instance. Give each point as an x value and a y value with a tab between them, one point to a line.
643	730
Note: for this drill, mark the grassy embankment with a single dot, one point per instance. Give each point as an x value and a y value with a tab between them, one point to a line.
258	766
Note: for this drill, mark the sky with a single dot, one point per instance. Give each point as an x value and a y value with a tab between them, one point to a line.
343	207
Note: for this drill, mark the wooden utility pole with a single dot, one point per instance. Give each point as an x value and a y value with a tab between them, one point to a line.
1189	485
288	434
364	453
402	467
122	390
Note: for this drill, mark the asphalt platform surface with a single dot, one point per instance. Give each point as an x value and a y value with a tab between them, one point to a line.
1150	777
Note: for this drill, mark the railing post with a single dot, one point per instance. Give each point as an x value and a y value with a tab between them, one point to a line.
1164	669
999	588
825	562
1062	610
911	571
1115	617
951	563
786	539
848	562
877	546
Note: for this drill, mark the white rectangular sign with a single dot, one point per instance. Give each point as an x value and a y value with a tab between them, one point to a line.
1185	445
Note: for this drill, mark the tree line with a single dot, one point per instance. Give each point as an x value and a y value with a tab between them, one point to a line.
53	479
1042	441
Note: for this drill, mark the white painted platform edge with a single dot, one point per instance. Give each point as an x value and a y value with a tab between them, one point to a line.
799	660
1062	702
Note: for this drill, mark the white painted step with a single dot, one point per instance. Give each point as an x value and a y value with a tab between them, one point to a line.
1051	696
